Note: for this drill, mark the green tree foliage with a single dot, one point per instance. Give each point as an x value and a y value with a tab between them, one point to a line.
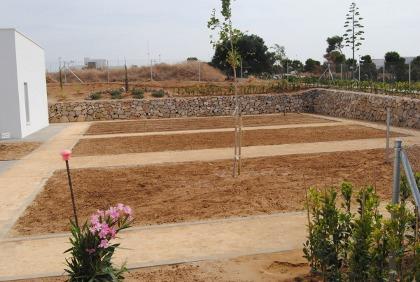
255	55
312	65
395	65
279	53
354	29
368	69
226	34
334	55
335	43
415	69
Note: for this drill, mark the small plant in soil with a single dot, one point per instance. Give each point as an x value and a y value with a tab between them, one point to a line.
92	251
158	93
137	93
115	94
95	96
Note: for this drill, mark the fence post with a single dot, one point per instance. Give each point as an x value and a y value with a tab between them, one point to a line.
397	172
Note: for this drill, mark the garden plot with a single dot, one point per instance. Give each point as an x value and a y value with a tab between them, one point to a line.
174	124
16	150
203	190
209	140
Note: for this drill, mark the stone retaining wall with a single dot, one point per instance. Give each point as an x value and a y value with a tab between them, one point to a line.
354	105
174	107
370	107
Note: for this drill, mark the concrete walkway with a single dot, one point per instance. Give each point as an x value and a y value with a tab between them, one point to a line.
163	244
155	245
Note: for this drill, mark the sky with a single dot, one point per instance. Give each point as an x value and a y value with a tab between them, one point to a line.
172	30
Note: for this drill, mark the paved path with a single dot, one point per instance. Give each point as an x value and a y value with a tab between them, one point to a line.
164	244
155	245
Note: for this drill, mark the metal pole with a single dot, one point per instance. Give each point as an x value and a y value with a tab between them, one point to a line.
397	172
383	73
359	70
388	131
341	71
241	69
151	70
72	194
107	70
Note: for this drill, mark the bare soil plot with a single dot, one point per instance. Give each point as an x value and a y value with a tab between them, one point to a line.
208	140
204	190
287	266
156	125
16	150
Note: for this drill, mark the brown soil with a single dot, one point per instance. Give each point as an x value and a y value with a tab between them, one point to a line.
208	140
287	266
156	125
16	150
204	190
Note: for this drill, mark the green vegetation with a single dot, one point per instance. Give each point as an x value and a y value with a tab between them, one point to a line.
137	93
347	246
158	93
115	94
95	95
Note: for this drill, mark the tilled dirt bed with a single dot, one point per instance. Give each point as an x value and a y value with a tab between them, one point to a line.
16	150
204	190
208	140
176	124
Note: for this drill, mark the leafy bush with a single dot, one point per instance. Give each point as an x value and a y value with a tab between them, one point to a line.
115	94
158	93
137	93
95	96
91	251
343	246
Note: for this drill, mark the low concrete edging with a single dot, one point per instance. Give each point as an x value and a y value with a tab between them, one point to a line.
346	104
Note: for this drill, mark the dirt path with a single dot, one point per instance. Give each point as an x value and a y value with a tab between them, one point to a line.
208	140
177	124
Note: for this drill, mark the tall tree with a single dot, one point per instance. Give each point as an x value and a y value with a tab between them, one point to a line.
227	33
354	29
279	53
312	66
255	55
395	65
368	69
415	69
334	54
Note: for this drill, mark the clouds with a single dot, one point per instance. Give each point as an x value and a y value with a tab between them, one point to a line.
177	29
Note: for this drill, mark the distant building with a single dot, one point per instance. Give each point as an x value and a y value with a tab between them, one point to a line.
381	62
95	63
23	99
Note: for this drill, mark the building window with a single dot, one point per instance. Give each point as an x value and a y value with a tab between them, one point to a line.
28	117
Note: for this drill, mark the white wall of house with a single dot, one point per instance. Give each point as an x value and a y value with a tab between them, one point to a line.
23	92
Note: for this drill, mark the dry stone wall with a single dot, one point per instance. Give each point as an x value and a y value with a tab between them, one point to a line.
354	105
174	107
405	112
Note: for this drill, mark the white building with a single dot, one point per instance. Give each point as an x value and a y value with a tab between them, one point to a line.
23	90
95	63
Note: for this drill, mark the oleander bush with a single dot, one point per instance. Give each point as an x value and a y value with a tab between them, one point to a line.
365	245
91	248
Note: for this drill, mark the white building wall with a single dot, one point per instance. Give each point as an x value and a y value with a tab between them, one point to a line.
28	66
9	100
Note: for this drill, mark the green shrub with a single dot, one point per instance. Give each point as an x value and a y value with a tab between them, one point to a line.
158	93
137	93
115	94
95	95
364	246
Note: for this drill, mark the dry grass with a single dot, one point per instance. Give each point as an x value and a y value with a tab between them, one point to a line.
181	71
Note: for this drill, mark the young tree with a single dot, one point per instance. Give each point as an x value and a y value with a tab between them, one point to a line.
312	65
395	64
354	30
368	69
227	33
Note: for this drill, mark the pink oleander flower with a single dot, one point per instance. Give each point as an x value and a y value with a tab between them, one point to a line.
120	207
94	219
113	213
127	210
104	244
65	154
